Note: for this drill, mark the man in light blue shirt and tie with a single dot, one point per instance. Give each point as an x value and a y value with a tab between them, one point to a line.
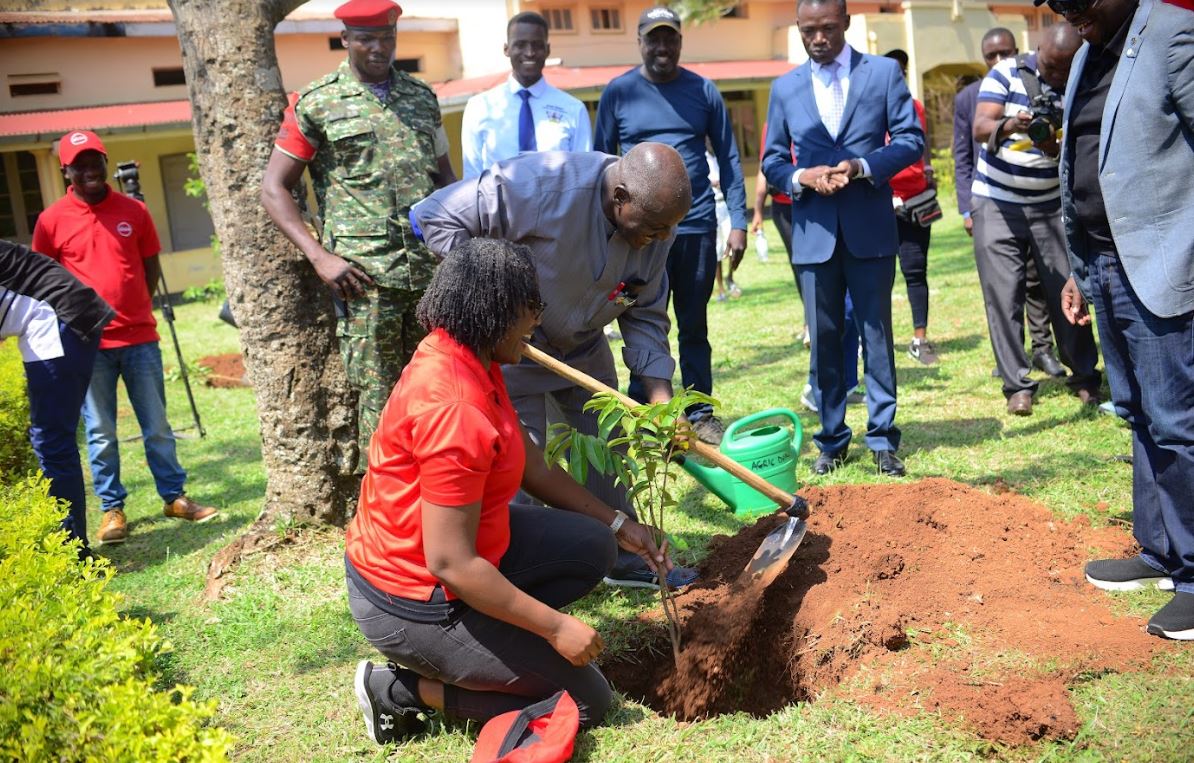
524	113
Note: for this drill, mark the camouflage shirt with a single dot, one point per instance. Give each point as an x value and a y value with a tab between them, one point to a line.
373	159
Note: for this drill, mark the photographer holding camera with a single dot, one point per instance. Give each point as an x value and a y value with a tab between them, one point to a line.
1016	213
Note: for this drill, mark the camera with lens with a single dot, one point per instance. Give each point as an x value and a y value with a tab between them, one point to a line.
129	175
1046	119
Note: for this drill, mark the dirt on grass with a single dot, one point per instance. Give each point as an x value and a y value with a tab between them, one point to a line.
225	370
989	588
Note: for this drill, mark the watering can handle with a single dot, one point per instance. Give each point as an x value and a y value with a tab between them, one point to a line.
782	498
771	413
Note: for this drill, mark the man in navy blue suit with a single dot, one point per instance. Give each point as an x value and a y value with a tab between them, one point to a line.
836	114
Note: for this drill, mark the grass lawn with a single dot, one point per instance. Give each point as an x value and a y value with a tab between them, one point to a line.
278	651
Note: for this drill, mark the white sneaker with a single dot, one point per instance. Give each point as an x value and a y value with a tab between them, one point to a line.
807	399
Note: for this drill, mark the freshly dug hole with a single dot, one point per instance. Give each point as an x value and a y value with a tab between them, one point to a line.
991	588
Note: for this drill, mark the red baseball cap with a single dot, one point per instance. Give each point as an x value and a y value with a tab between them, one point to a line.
74	143
369	14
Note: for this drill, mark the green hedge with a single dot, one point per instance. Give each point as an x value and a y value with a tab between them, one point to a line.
16	456
77	680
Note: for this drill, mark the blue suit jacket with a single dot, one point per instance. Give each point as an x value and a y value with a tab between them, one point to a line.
1146	160
878	105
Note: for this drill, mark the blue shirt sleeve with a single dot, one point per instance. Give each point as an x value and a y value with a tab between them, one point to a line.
605	134
725	148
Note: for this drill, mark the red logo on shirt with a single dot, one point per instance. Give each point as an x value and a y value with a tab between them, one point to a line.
124	229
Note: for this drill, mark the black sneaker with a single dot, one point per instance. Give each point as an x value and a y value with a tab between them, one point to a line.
1175	620
1126	575
384	722
922	350
709	430
642	577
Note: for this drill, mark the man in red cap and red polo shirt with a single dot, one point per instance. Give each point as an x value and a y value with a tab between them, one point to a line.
372	138
108	242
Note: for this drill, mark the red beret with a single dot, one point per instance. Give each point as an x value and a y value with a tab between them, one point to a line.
369	13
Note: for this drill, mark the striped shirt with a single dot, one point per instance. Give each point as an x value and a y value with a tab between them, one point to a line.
1024	176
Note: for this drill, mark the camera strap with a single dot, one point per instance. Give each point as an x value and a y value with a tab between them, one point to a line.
1028	75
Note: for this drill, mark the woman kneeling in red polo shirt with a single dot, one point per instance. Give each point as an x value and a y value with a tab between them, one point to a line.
453	584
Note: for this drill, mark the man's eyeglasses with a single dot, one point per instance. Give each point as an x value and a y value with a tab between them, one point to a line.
537	308
1064	7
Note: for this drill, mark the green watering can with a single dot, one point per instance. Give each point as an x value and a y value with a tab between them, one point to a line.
769	451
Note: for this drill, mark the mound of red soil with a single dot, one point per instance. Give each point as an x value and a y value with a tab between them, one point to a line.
990	588
226	370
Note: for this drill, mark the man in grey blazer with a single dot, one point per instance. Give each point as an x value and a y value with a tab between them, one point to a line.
1128	208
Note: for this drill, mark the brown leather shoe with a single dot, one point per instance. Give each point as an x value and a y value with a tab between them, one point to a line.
183	507
1089	396
113	528
1020	403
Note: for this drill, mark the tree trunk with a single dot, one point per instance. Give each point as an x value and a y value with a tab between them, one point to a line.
304	406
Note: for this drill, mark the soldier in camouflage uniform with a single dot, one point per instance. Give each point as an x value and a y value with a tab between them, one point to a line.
372	139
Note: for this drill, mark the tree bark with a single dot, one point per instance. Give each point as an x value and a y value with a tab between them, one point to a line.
305	408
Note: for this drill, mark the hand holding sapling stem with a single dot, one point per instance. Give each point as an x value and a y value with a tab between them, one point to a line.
640	539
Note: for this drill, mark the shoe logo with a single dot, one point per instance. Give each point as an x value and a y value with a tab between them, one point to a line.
387	722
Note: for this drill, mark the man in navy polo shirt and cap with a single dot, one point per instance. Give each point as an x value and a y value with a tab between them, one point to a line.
662	102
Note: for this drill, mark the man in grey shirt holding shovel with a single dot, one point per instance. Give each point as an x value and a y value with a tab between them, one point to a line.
599	228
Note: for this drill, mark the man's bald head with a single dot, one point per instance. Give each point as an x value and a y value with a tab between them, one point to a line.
648	193
1056	52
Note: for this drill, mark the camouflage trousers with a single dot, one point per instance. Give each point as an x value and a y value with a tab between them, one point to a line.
378	335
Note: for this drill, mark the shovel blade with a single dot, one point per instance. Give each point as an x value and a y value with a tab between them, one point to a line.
771	559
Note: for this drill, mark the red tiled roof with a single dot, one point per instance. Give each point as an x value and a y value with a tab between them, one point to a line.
124	16
584	77
55	123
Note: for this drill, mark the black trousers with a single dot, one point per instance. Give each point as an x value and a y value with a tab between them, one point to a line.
488	666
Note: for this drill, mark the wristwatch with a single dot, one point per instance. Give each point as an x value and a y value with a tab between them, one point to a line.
619	520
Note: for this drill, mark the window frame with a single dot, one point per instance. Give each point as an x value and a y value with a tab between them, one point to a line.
569	9
616	8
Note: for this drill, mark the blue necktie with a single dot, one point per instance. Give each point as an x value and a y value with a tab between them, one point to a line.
526	123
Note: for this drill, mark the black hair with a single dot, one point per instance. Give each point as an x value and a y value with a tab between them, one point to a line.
899	55
841	5
479	291
526	17
999	32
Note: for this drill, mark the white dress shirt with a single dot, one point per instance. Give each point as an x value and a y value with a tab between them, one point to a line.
823	82
489	131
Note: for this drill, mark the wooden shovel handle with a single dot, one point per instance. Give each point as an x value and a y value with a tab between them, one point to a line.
782	498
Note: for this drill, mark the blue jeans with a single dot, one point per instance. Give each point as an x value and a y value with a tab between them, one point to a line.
140	365
1150	367
56	391
691	268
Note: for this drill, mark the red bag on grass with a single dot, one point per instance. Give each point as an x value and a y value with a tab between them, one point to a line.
540	733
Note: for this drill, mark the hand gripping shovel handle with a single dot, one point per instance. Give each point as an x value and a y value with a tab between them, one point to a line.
792	504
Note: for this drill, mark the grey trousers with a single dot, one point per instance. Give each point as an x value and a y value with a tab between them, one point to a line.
1006	238
546	397
1036	312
